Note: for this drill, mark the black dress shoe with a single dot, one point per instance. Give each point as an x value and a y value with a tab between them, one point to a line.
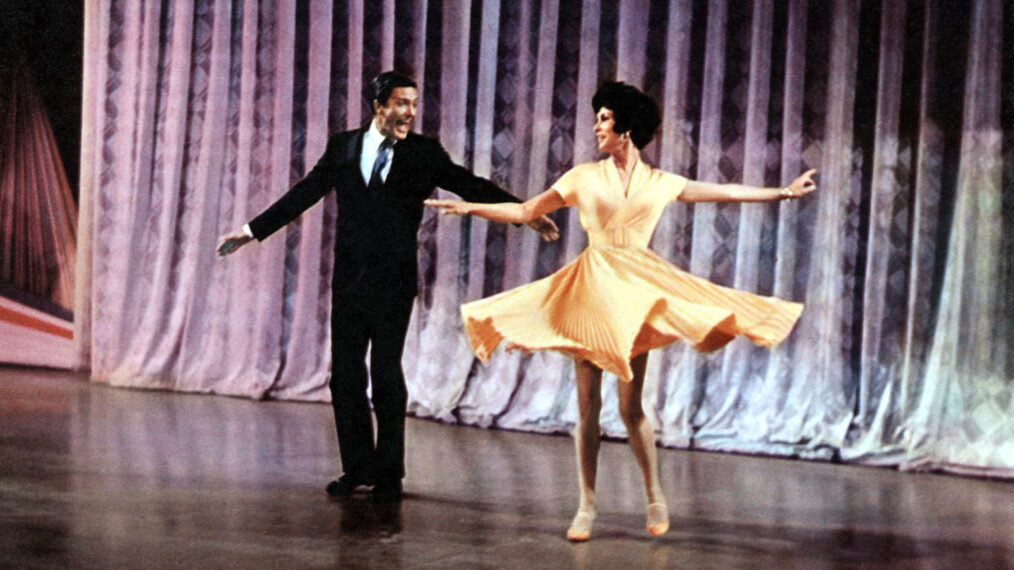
346	485
386	493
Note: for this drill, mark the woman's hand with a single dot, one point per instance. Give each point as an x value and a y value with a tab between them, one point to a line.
801	186
455	207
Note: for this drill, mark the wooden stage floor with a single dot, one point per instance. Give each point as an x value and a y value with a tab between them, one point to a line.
96	477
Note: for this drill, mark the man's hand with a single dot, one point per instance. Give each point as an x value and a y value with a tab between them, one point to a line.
231	242
546	228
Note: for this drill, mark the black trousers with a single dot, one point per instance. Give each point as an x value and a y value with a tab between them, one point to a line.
382	327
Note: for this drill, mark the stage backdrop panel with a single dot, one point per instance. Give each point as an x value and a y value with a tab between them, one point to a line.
198	115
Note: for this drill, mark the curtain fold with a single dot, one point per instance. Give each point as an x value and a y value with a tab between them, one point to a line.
197	117
38	217
961	423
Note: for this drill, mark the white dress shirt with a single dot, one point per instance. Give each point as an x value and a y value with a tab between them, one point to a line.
371	146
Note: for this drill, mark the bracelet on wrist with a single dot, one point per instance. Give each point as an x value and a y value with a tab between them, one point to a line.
786	194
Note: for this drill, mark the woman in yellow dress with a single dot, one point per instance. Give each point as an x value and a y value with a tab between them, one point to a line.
618	299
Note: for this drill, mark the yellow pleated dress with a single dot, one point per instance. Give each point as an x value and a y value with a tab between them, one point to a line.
619	299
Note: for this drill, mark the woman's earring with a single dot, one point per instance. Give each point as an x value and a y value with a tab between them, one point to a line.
626	135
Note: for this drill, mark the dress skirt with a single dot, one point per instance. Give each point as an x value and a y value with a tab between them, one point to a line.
613	303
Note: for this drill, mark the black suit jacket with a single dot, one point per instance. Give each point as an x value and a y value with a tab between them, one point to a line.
376	235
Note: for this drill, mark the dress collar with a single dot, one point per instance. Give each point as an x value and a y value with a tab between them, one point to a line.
612	173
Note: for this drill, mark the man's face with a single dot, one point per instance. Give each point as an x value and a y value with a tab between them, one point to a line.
394	118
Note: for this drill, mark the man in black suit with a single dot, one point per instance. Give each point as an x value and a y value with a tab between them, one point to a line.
381	174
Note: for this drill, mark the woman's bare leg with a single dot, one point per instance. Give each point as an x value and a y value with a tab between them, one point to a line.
586	443
642	442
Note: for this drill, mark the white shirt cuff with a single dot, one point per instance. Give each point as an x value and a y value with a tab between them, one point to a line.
247	231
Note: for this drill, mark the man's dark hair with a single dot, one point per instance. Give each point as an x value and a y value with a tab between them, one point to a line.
633	111
383	84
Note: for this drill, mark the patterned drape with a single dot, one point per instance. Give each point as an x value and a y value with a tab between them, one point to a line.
197	117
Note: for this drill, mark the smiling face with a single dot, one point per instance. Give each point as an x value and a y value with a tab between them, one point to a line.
609	140
394	118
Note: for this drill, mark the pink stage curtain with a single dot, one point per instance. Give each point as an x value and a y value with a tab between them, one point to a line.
38	218
198	115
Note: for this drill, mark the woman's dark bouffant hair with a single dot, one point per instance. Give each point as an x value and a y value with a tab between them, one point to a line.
633	110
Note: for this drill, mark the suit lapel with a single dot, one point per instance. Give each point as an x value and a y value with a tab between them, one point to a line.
354	153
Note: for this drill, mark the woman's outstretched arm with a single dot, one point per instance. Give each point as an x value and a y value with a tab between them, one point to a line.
522	213
711	192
